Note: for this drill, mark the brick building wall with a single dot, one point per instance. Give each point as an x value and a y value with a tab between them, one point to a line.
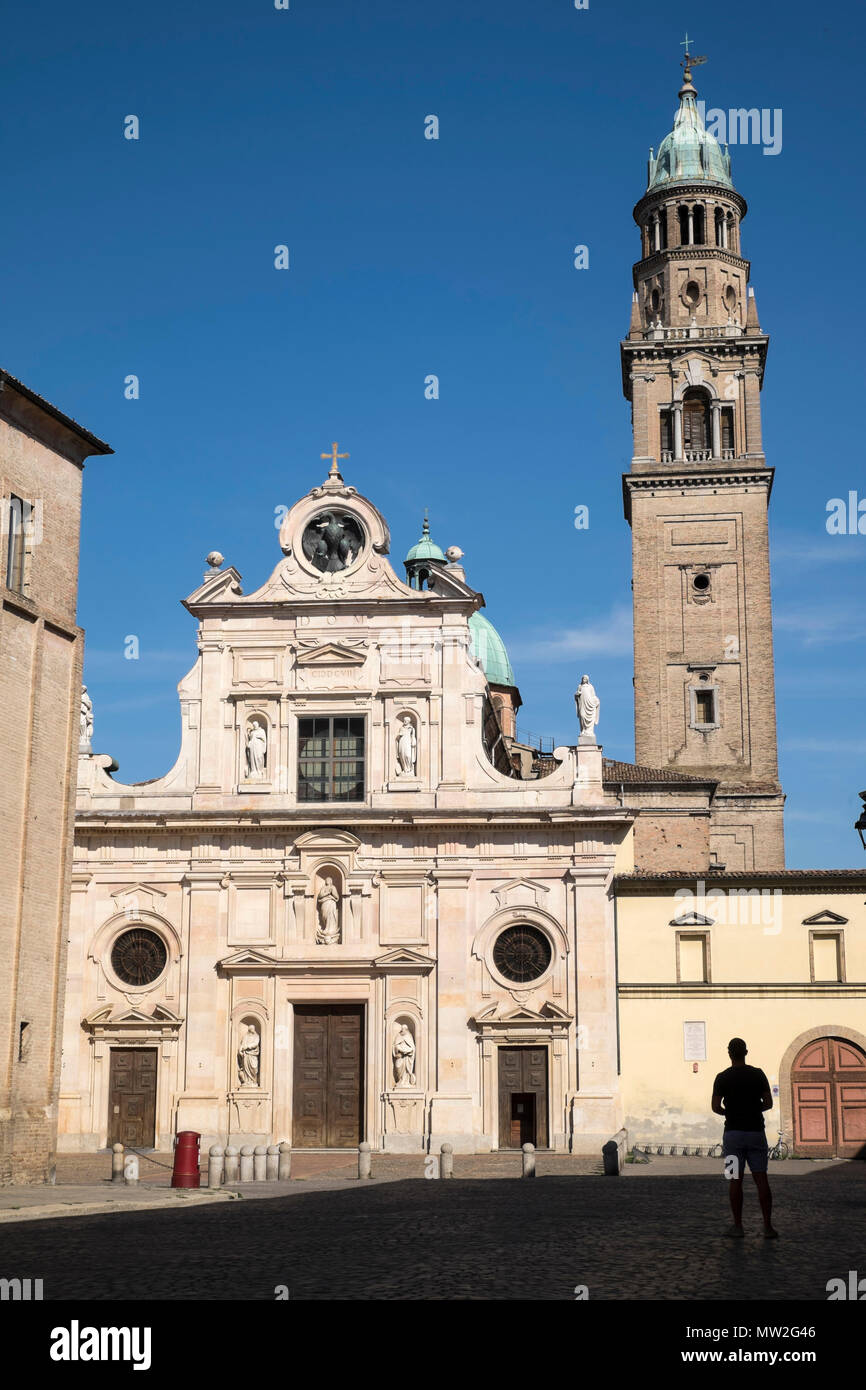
41	453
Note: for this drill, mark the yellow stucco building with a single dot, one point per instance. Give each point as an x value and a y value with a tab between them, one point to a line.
777	958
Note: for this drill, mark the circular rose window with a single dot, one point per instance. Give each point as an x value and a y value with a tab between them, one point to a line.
138	957
521	954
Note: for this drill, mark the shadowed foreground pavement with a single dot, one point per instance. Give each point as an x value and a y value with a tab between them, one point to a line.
641	1238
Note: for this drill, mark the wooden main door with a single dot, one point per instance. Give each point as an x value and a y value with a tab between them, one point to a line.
828	1080
328	1076
522	1097
132	1097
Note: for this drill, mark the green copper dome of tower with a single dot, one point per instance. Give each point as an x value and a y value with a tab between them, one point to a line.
418	557
690	152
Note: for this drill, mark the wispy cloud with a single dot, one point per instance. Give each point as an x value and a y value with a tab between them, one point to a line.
832	746
611	636
820	624
790	548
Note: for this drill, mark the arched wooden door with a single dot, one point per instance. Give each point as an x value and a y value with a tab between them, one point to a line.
828	1080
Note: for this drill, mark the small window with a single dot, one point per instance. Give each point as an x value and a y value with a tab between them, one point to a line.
826	956
726	420
18	522
693	958
331	759
667	432
705	707
701	582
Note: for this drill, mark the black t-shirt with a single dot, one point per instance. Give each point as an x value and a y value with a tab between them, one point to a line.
741	1089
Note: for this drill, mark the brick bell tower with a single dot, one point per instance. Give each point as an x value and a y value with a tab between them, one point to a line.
697	494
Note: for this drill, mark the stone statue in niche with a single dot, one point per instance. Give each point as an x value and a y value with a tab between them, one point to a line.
85	732
249	1054
333	541
403	1053
257	751
588	709
407	748
328	913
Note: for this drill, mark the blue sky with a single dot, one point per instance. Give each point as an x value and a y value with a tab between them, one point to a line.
409	257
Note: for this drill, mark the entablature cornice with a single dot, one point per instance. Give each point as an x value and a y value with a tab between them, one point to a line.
701	191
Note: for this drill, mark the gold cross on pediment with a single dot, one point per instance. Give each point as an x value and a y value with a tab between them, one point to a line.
334	471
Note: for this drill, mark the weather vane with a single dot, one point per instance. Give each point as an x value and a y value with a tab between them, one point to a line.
689	61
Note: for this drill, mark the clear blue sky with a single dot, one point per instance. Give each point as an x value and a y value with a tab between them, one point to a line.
411	257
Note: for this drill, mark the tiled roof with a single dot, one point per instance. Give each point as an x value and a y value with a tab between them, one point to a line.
857	876
634	775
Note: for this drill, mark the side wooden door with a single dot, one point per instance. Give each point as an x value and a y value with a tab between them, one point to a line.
132	1097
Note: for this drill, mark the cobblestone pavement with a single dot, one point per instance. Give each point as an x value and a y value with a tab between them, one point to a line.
647	1237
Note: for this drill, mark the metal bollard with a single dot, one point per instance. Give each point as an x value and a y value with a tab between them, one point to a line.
365	1161
130	1169
232	1165
260	1163
247	1163
529	1160
285	1169
215	1165
117	1163
272	1163
446	1161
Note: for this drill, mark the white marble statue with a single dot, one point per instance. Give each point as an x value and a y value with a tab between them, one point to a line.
407	748
588	707
328	909
86	725
249	1051
403	1053
257	749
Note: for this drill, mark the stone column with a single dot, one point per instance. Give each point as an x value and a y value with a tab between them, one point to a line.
677	409
717	429
201	1104
451	1107
657	233
691	226
596	1107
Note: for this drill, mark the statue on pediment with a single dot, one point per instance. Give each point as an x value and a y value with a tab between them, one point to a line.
85	731
588	708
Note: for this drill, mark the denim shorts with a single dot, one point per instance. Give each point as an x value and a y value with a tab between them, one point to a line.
747	1146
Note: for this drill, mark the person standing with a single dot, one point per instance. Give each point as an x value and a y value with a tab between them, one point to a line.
742	1093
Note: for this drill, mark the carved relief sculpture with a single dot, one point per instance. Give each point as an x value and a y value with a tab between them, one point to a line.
407	748
403	1053
328	912
257	751
333	541
249	1053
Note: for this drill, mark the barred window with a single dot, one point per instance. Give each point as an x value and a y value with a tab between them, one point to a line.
331	759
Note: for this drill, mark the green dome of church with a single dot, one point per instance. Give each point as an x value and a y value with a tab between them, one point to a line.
690	153
488	648
425	548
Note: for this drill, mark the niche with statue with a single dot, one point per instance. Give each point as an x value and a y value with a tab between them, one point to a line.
329	893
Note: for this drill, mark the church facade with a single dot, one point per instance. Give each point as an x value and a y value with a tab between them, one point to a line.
342	915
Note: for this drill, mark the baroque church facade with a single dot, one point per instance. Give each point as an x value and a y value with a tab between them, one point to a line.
357	907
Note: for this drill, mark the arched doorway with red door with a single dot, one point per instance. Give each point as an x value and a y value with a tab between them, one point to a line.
825	1087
